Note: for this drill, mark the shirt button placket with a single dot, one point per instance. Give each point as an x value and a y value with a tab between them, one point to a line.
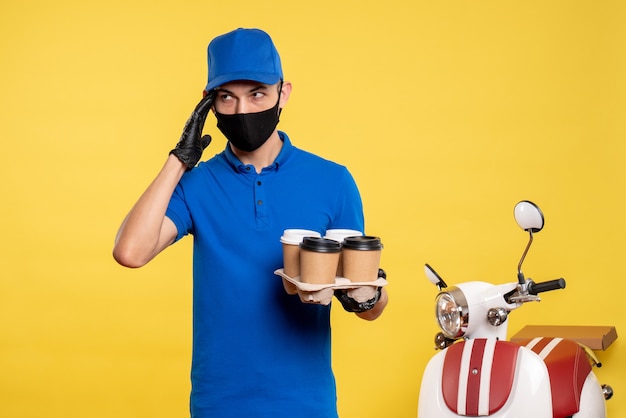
259	198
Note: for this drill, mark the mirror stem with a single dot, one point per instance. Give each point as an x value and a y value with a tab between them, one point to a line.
520	275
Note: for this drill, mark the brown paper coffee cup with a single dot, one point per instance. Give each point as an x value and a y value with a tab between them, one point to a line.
319	258
339	235
361	258
291	240
291	260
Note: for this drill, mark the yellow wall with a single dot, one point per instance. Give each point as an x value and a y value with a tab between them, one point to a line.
447	113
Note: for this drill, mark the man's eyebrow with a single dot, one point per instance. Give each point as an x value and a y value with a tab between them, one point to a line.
252	90
223	90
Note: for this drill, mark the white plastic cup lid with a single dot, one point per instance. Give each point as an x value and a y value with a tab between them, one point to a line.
341	234
295	236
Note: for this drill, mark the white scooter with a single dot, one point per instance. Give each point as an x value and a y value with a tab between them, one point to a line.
479	373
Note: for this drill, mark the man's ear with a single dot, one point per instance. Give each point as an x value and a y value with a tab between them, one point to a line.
284	93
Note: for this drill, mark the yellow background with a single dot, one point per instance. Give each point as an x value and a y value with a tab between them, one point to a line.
447	113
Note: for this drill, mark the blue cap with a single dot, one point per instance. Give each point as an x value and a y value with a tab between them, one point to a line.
243	54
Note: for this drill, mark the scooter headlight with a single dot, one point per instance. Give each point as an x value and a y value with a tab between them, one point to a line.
452	312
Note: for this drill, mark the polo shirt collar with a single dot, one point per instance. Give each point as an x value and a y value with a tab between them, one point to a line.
283	155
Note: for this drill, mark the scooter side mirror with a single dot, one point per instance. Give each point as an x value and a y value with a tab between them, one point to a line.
528	216
434	278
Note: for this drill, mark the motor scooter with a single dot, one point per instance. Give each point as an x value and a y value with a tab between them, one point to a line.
479	373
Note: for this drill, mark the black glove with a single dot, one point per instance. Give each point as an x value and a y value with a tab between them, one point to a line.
351	305
191	144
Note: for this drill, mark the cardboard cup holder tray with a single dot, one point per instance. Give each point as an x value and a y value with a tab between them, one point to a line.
323	293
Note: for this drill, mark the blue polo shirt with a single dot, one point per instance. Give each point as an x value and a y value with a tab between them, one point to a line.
258	351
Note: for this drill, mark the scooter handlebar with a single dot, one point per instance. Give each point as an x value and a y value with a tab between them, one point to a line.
536	288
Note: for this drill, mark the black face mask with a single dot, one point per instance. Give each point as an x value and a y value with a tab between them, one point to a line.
248	131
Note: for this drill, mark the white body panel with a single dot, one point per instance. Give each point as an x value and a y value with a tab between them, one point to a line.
592	403
530	395
481	297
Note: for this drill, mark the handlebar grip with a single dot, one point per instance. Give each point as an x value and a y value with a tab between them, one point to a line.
535	288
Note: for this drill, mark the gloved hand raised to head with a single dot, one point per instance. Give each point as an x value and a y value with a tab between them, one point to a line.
191	144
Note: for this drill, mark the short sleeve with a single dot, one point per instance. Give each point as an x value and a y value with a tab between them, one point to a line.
178	212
